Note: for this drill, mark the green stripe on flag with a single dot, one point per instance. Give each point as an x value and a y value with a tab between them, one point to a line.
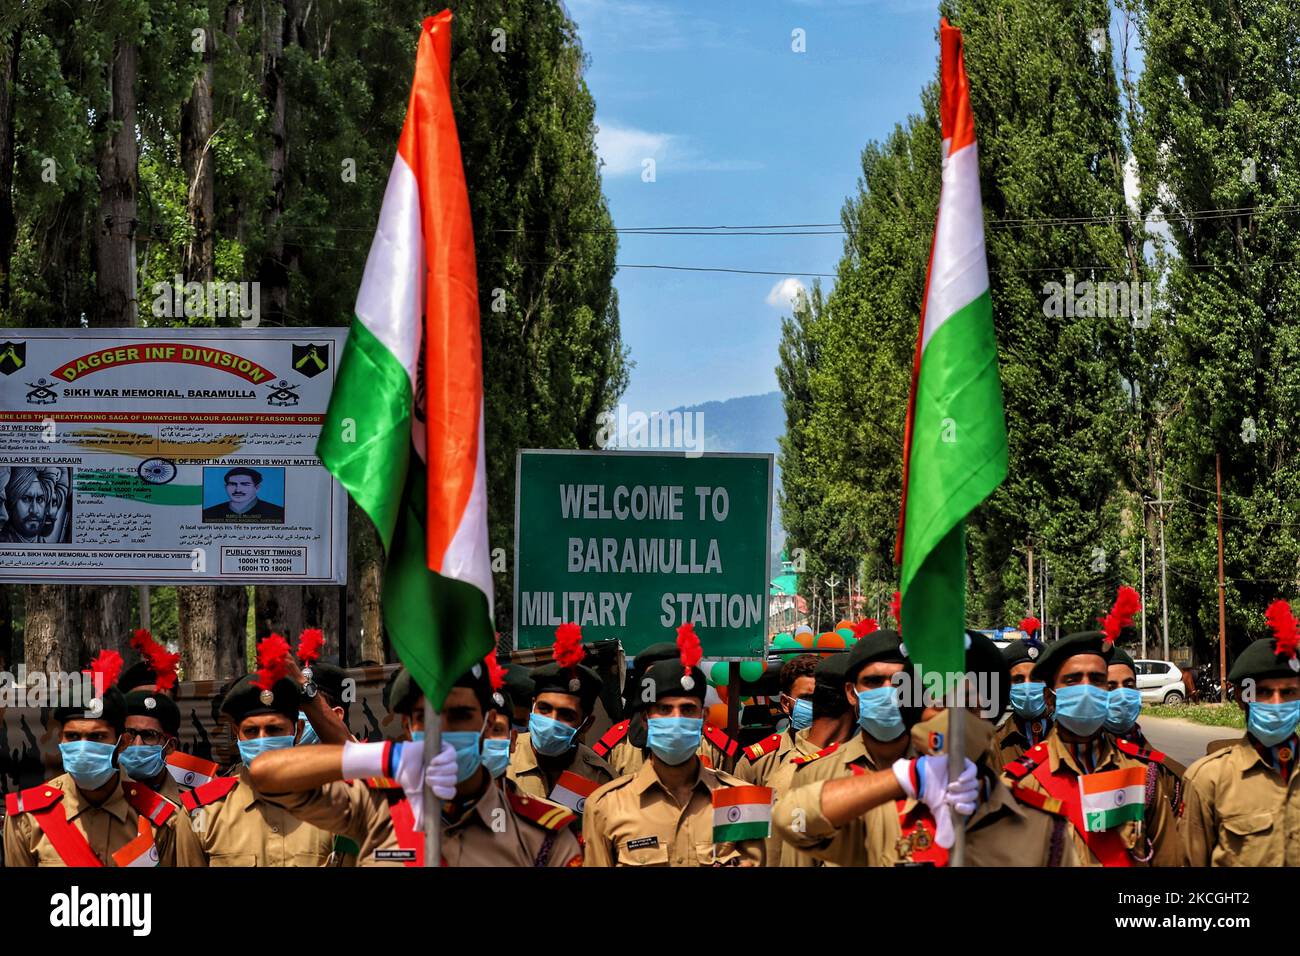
1095	821
958	457
751	830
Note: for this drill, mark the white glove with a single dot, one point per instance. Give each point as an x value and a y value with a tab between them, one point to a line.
926	779
404	764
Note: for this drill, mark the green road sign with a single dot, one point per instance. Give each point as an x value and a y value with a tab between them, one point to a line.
630	544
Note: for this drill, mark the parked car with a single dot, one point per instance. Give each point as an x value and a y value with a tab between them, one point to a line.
1160	682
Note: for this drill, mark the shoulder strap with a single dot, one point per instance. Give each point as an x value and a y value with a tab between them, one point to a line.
32	800
1038	800
210	792
800	761
148	803
1148	754
404	830
612	736
720	740
544	813
68	842
382	783
764	746
1029	760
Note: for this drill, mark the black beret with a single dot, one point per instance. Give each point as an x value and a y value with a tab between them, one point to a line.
330	680
477	680
507	703
649	656
1120	656
404	693
519	684
1259	661
151	703
669	679
111	706
884	646
828	686
139	674
1072	645
582	682
985	657
1022	652
246	699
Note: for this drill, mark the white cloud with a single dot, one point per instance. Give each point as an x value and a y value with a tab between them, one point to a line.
785	292
625	148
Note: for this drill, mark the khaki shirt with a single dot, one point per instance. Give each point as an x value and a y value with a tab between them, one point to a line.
1159	824
107	828
351	809
529	777
1239	812
244	829
505	828
1011	741
636	821
757	770
779	778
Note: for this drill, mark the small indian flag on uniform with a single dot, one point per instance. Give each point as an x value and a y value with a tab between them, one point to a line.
1113	797
139	852
742	813
572	791
190	771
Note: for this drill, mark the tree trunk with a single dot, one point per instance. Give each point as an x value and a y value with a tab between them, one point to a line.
105	619
279	610
213	631
47	647
116	220
198	158
273	273
8	222
366	572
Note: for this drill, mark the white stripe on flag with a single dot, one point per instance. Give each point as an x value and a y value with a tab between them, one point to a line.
742	813
959	272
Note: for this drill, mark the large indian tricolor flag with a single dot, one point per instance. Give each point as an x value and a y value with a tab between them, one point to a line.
404	431
955	444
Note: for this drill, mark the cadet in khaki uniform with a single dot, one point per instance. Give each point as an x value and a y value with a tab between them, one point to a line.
663	814
1028	722
1243	802
757	761
894	816
1124	704
152	723
565	698
230	824
90	815
831	726
623	746
1075	672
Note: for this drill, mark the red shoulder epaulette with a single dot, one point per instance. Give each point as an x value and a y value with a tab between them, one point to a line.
720	740
210	792
1025	765
612	736
764	746
150	804
800	761
1038	800
1141	753
552	816
32	799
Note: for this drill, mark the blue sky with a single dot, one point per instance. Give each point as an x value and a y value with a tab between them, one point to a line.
743	131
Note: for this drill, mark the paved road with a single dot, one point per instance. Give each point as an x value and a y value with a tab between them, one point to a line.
1182	739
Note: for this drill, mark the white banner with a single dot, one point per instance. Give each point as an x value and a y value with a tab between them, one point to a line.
168	456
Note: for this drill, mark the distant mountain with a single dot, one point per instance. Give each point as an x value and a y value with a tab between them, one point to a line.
750	423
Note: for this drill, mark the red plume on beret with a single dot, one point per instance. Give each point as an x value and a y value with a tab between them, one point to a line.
568	649
1030	625
688	644
896	609
496	673
310	642
161	661
106	666
864	627
272	661
1127	603
1282	620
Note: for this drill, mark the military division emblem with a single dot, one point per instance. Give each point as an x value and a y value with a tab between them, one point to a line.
13	356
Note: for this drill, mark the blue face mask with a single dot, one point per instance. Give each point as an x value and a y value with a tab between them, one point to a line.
1027	699
1081	708
249	750
550	737
142	762
1271	724
467	752
801	714
674	740
89	763
308	732
878	713
496	755
1122	709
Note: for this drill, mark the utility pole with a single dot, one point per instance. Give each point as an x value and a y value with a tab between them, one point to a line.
1030	578
831	582
1160	503
1223	628
1144	589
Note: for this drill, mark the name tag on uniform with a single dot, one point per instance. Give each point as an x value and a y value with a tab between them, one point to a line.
643	843
395	856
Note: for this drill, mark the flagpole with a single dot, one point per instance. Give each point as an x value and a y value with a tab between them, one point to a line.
432	805
956	763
